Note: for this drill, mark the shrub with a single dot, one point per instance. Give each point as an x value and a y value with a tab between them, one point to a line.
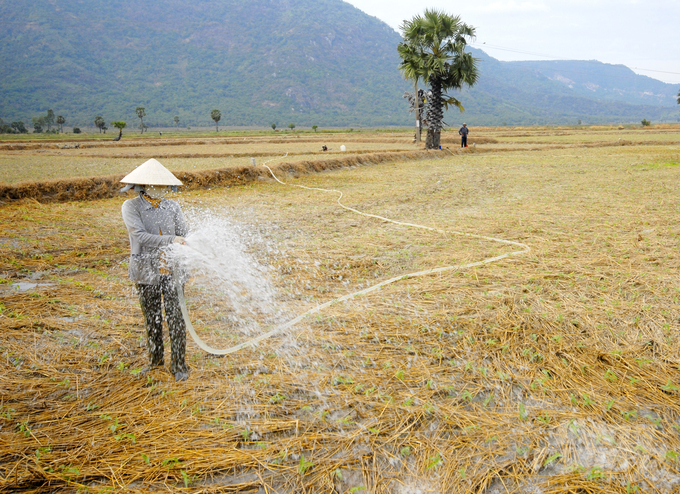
76	130
646	123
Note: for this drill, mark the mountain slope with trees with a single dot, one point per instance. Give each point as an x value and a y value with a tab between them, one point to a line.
306	61
260	62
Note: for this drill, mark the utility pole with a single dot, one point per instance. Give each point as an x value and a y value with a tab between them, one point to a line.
416	100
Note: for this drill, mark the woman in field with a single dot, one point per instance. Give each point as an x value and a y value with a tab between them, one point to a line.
153	223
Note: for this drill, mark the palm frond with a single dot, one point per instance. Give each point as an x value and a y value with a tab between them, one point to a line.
451	101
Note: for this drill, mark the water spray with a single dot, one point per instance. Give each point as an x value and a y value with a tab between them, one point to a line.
279	329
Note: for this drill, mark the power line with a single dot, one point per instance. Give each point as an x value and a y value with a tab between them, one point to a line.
551	57
652	70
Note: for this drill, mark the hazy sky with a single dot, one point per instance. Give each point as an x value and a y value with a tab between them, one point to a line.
642	34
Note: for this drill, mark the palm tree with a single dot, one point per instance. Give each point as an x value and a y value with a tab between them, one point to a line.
49	119
216	115
99	122
120	125
434	50
141	113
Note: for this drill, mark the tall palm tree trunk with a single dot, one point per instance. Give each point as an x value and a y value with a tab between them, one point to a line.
429	139
435	114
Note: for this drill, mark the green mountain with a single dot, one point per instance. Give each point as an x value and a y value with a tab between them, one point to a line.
306	62
261	61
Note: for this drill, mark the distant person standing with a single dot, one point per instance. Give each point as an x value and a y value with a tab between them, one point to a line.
463	132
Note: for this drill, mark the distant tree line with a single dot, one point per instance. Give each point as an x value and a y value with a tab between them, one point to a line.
100	123
13	128
44	123
41	123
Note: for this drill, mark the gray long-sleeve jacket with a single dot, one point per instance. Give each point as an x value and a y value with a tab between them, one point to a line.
150	229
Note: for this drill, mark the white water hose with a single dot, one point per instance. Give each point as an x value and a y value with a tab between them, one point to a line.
252	342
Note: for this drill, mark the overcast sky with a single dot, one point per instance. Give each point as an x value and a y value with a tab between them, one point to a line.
642	34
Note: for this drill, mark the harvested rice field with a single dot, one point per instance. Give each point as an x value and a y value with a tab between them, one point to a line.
44	161
551	370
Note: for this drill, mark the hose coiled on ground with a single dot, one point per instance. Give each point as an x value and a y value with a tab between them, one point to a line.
254	341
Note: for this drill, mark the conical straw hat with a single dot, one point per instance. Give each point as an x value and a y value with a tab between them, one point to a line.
151	173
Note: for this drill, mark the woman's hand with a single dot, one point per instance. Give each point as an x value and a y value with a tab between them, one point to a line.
179	240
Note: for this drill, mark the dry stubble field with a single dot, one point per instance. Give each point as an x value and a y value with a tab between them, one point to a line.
552	371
